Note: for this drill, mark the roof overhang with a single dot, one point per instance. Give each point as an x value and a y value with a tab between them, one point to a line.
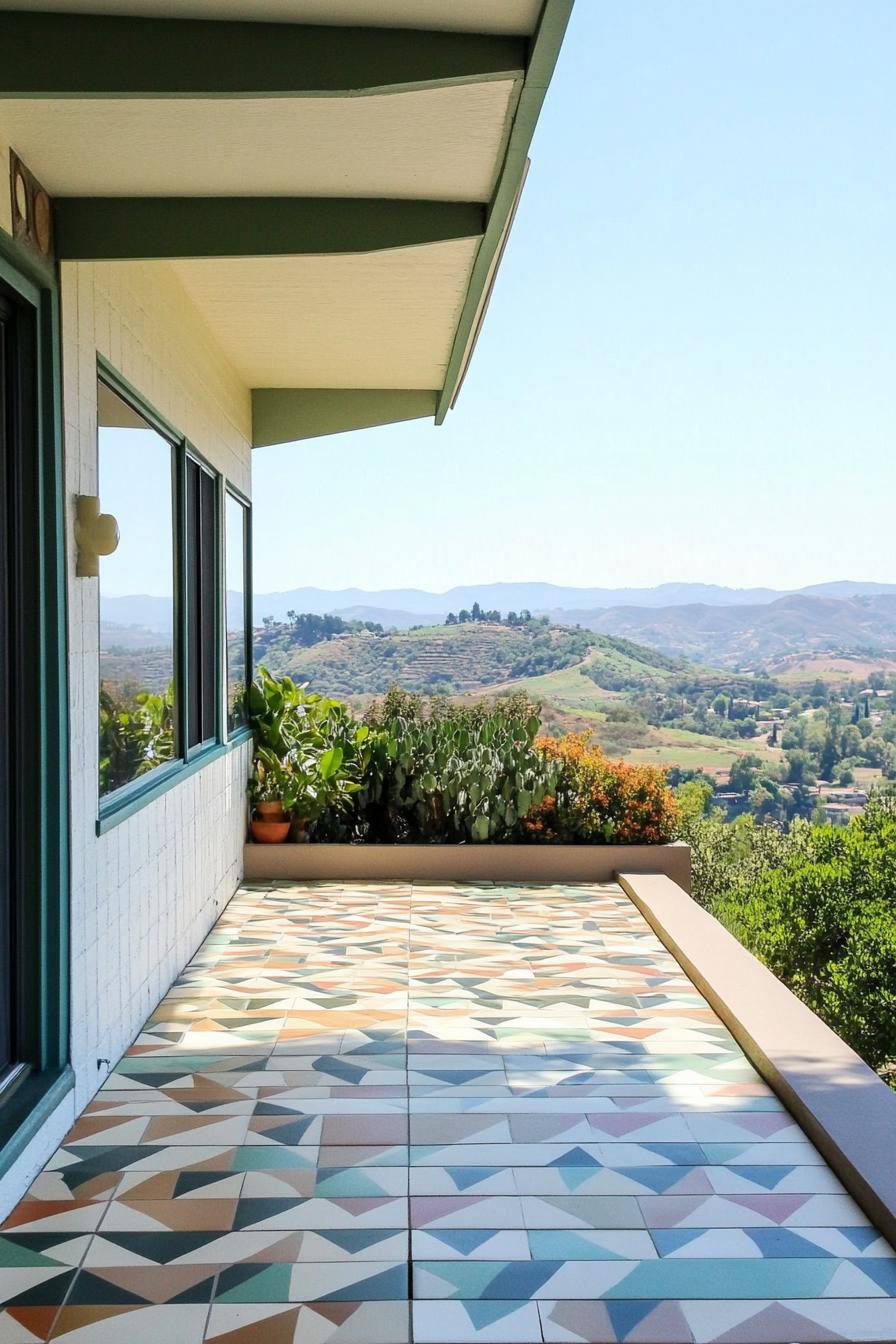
333	195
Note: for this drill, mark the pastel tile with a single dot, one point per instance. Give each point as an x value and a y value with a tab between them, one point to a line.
475	1322
320	1323
507	1100
470	1244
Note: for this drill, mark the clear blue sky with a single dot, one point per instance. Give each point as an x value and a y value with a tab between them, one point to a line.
688	370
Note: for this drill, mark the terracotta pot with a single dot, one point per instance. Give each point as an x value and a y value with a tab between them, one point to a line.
270	811
269	832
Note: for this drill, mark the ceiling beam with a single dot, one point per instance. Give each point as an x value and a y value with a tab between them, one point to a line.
288	414
543	57
131	228
52	55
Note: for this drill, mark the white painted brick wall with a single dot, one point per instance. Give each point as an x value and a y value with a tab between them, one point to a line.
143	895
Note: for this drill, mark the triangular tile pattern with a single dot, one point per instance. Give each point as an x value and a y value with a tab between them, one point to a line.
371	1113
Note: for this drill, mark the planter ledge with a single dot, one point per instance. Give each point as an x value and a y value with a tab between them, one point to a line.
464	863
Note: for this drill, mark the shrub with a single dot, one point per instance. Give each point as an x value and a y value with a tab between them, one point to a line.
432	770
601	801
445	772
731	855
823	919
309	751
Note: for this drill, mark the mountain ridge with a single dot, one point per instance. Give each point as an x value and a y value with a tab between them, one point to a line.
542	598
843	614
751	635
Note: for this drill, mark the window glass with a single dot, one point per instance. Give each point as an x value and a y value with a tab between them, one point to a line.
201	572
236	523
136	701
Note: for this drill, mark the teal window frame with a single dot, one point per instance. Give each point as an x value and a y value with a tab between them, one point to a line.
244	732
43	861
116	807
191	753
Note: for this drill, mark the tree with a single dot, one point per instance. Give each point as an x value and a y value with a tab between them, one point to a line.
800	769
745	771
765	802
821	918
829	757
693	799
475	612
451	619
463	616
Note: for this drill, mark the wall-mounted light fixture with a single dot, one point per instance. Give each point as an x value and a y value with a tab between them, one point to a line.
32	210
96	534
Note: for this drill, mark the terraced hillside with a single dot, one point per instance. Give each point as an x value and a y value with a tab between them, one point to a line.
449	659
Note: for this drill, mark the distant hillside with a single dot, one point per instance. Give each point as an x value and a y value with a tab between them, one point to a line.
753	635
637	702
402	607
437	658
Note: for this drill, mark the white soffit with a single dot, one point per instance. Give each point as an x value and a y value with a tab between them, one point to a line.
380	320
436	144
512	17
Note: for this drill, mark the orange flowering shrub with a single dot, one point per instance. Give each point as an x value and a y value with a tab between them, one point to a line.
600	801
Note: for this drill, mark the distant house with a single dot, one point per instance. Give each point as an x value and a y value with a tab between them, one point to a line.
839	814
732	802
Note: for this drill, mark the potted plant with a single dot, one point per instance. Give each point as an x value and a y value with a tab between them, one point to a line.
308	758
271	793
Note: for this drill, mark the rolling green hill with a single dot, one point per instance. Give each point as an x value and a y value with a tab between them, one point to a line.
573	701
439	658
584	681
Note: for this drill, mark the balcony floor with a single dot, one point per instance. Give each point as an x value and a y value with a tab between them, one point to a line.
521	1082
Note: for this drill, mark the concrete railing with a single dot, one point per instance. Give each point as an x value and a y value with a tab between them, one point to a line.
845	1109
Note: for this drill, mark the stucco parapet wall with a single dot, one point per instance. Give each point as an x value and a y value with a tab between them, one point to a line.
464	863
839	1101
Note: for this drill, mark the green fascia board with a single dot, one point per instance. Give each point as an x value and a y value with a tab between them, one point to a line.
288	414
545	49
53	55
126	228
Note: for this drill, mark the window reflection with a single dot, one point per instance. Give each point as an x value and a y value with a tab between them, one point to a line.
136	700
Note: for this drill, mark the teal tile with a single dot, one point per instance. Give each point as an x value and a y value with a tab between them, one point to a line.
721	1279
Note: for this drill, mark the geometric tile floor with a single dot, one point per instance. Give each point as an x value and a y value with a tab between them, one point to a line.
375	1114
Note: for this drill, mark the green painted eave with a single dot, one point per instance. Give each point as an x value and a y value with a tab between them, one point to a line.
288	414
140	228
52	55
545	49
